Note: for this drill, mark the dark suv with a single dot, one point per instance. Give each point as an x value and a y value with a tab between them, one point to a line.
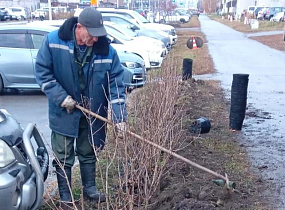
272	11
4	15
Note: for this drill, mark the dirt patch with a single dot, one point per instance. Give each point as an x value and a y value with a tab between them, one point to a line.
240	26
273	41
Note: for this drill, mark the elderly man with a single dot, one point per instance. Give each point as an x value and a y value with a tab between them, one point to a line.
74	63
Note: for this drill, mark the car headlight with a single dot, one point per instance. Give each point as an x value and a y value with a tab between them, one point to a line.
6	154
131	65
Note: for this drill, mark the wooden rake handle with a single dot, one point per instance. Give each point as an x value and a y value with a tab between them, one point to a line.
155	145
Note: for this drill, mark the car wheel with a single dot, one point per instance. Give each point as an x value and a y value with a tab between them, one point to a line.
182	20
1	85
162	21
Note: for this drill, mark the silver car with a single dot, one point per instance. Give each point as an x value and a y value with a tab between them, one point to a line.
18	50
24	164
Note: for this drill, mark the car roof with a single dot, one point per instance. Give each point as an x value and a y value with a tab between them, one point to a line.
117	15
114	9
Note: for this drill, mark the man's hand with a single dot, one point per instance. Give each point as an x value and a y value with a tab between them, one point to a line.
69	104
121	129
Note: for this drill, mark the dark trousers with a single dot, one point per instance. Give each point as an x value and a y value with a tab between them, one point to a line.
63	147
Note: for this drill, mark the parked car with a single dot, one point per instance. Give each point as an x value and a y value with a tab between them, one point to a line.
18	13
39	14
272	11
278	17
257	9
193	12
134	70
139	30
19	47
173	16
147	41
261	13
4	15
152	57
137	18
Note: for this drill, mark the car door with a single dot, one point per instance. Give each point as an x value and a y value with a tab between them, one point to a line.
35	38
16	64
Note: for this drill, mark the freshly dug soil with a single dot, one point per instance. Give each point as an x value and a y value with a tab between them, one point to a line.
185	187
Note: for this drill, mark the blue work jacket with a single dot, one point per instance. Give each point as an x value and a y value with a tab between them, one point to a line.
57	74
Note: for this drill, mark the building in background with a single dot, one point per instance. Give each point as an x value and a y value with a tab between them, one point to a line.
187	4
235	6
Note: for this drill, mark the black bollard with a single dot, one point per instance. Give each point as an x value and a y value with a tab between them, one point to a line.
238	100
187	69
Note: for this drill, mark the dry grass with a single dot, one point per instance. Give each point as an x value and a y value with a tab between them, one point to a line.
202	61
273	41
240	26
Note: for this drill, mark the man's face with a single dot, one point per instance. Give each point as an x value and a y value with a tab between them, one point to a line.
85	37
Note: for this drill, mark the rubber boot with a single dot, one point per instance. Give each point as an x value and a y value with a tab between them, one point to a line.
64	192
89	185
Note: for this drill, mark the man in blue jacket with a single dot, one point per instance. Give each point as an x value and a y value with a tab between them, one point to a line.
77	64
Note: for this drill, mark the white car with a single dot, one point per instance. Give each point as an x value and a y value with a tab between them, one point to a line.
174	16
139	19
17	13
39	13
261	13
278	17
137	29
148	41
120	42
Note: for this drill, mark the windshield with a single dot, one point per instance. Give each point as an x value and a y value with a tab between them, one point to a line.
139	17
181	11
128	31
117	34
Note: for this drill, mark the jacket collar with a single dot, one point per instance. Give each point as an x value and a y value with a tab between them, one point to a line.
101	47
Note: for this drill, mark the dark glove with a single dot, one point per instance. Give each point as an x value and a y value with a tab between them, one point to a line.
121	129
69	104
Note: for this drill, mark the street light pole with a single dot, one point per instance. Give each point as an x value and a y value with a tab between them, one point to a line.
49	10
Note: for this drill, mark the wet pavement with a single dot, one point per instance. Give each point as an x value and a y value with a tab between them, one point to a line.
263	128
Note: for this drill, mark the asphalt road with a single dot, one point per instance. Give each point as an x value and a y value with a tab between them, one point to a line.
26	107
263	129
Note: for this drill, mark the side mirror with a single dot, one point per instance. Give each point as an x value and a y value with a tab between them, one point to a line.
134	27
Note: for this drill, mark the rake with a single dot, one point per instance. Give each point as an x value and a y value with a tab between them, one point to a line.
222	181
